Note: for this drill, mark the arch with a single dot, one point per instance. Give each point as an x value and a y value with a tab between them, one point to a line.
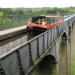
64	36
49	58
64	39
69	32
45	66
73	24
69	27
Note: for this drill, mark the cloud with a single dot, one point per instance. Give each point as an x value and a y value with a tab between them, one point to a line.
36	3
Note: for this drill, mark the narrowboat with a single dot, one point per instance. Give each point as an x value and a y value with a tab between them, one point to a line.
42	23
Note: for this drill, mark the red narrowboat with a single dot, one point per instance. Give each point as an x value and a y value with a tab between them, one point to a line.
42	23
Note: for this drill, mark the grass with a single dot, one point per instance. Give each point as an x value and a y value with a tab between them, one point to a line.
73	64
73	52
10	22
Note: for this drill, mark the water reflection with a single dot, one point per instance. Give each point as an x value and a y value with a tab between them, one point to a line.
63	59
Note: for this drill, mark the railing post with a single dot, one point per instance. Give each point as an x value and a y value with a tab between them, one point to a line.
57	29
38	55
51	36
43	43
19	62
2	72
30	55
47	39
53	33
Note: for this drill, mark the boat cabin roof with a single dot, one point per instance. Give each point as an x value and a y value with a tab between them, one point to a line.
39	17
48	16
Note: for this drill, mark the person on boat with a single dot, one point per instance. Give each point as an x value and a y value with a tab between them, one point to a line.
29	21
44	22
39	21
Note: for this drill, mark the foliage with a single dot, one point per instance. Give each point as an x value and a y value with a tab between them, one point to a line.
11	17
23	11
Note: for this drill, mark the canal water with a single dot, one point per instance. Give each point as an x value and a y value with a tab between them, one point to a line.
73	51
10	43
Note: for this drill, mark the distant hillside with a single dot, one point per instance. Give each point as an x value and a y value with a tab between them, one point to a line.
44	10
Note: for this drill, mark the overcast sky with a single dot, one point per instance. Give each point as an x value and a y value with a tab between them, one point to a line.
36	3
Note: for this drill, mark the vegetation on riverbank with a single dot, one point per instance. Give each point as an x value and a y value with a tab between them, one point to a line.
73	51
73	66
73	63
45	10
18	16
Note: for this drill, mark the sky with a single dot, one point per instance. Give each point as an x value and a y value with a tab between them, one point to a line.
36	3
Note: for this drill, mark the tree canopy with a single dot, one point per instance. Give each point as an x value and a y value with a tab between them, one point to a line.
45	10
